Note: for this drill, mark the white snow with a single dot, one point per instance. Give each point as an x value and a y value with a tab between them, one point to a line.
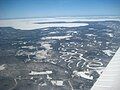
52	32
30	47
40	73
41	54
2	67
77	65
47	45
90	35
84	74
108	52
110	78
30	25
110	34
57	82
56	37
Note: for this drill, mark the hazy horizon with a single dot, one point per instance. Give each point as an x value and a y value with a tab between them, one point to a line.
58	8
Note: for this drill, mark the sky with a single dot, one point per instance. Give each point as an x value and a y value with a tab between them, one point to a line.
54	8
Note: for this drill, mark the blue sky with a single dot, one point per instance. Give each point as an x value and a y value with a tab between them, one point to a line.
51	8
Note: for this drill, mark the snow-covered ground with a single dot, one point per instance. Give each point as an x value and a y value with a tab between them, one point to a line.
90	35
57	82
32	23
110	34
110	78
41	54
56	37
47	46
84	74
40	73
108	52
30	47
2	67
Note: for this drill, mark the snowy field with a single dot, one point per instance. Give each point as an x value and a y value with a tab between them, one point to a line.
56	37
32	23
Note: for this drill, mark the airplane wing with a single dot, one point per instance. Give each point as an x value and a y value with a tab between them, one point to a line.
110	78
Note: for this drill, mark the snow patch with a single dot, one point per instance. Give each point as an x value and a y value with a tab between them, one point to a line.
2	67
108	52
56	37
40	73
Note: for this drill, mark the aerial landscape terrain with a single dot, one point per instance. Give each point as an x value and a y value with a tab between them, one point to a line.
59	44
60	53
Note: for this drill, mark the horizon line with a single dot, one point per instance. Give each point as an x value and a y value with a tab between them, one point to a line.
54	16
